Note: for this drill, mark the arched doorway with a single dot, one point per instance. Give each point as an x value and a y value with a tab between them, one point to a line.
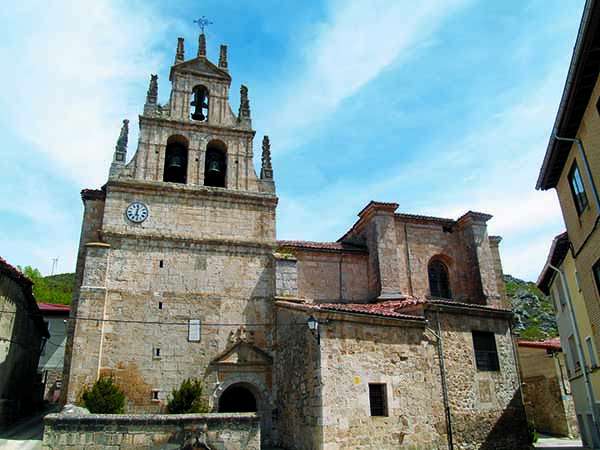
237	398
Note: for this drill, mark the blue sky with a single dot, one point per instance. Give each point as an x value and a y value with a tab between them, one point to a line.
440	106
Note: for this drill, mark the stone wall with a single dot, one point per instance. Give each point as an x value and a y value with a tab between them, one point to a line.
332	277
400	355
20	346
549	408
486	406
296	374
240	431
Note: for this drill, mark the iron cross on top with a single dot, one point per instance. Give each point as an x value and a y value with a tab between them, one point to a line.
203	22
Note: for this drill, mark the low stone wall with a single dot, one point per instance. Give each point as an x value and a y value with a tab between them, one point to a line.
234	431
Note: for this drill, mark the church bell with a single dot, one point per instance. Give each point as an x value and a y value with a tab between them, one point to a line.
214	167
175	162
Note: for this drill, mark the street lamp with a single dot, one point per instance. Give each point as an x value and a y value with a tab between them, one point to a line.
313	326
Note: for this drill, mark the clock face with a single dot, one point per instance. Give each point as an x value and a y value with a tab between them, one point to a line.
137	212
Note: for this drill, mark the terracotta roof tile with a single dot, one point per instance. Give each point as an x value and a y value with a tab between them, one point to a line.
49	308
385	309
325	246
14	273
548	344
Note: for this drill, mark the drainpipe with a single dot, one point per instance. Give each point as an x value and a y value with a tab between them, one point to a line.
440	348
586	378
586	166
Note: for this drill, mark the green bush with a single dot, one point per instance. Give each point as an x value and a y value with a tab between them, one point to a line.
104	397
187	398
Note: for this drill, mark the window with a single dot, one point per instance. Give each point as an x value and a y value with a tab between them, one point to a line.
577	189
156	352
596	270
591	351
161	264
160	305
155	393
486	355
378	399
439	285
194	330
560	292
575	363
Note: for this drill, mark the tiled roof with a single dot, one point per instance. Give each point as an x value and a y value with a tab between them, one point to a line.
14	273
425	218
385	309
49	308
558	251
548	344
324	246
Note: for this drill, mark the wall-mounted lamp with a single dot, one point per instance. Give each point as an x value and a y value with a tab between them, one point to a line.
313	326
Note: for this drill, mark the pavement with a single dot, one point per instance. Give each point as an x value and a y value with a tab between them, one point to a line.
548	443
26	434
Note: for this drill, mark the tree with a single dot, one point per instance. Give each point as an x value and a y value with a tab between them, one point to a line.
104	397
188	398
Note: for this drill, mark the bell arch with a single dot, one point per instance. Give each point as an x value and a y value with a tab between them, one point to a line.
199	103
215	166
176	160
439	277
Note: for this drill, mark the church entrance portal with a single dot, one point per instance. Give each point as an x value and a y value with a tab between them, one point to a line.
237	398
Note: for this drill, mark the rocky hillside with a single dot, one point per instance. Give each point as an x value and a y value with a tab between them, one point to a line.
56	289
534	311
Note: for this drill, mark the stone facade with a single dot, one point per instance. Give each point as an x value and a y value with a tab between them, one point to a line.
22	336
166	432
198	286
548	400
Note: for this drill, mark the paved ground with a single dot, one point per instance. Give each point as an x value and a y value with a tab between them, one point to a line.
24	435
549	443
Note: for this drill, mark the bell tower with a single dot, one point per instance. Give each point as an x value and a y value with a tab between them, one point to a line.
195	138
183	234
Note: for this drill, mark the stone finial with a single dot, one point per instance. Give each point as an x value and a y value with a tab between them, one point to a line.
223	57
202	45
120	150
152	94
244	112
180	54
266	170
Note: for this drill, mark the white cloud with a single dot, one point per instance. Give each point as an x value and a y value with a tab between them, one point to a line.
357	42
71	80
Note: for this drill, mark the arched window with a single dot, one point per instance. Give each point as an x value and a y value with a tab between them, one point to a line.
176	160
215	167
200	103
439	285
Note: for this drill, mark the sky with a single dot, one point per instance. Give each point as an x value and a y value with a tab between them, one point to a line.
441	106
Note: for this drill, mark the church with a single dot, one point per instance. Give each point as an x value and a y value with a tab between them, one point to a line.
397	335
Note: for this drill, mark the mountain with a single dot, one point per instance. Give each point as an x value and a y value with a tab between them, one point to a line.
534	312
56	289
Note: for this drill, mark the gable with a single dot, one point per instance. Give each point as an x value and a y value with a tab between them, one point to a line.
243	353
202	67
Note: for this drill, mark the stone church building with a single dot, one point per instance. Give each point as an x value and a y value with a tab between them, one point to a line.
395	336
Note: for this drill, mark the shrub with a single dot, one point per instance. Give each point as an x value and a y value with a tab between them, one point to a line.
188	398
104	397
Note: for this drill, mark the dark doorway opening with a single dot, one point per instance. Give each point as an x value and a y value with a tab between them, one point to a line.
237	398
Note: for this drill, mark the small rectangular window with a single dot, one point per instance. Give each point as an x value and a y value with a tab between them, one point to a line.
486	354
577	189
378	399
156	352
591	351
194	330
596	270
575	363
161	264
160	305
155	393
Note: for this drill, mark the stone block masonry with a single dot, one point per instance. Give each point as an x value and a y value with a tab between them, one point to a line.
234	431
